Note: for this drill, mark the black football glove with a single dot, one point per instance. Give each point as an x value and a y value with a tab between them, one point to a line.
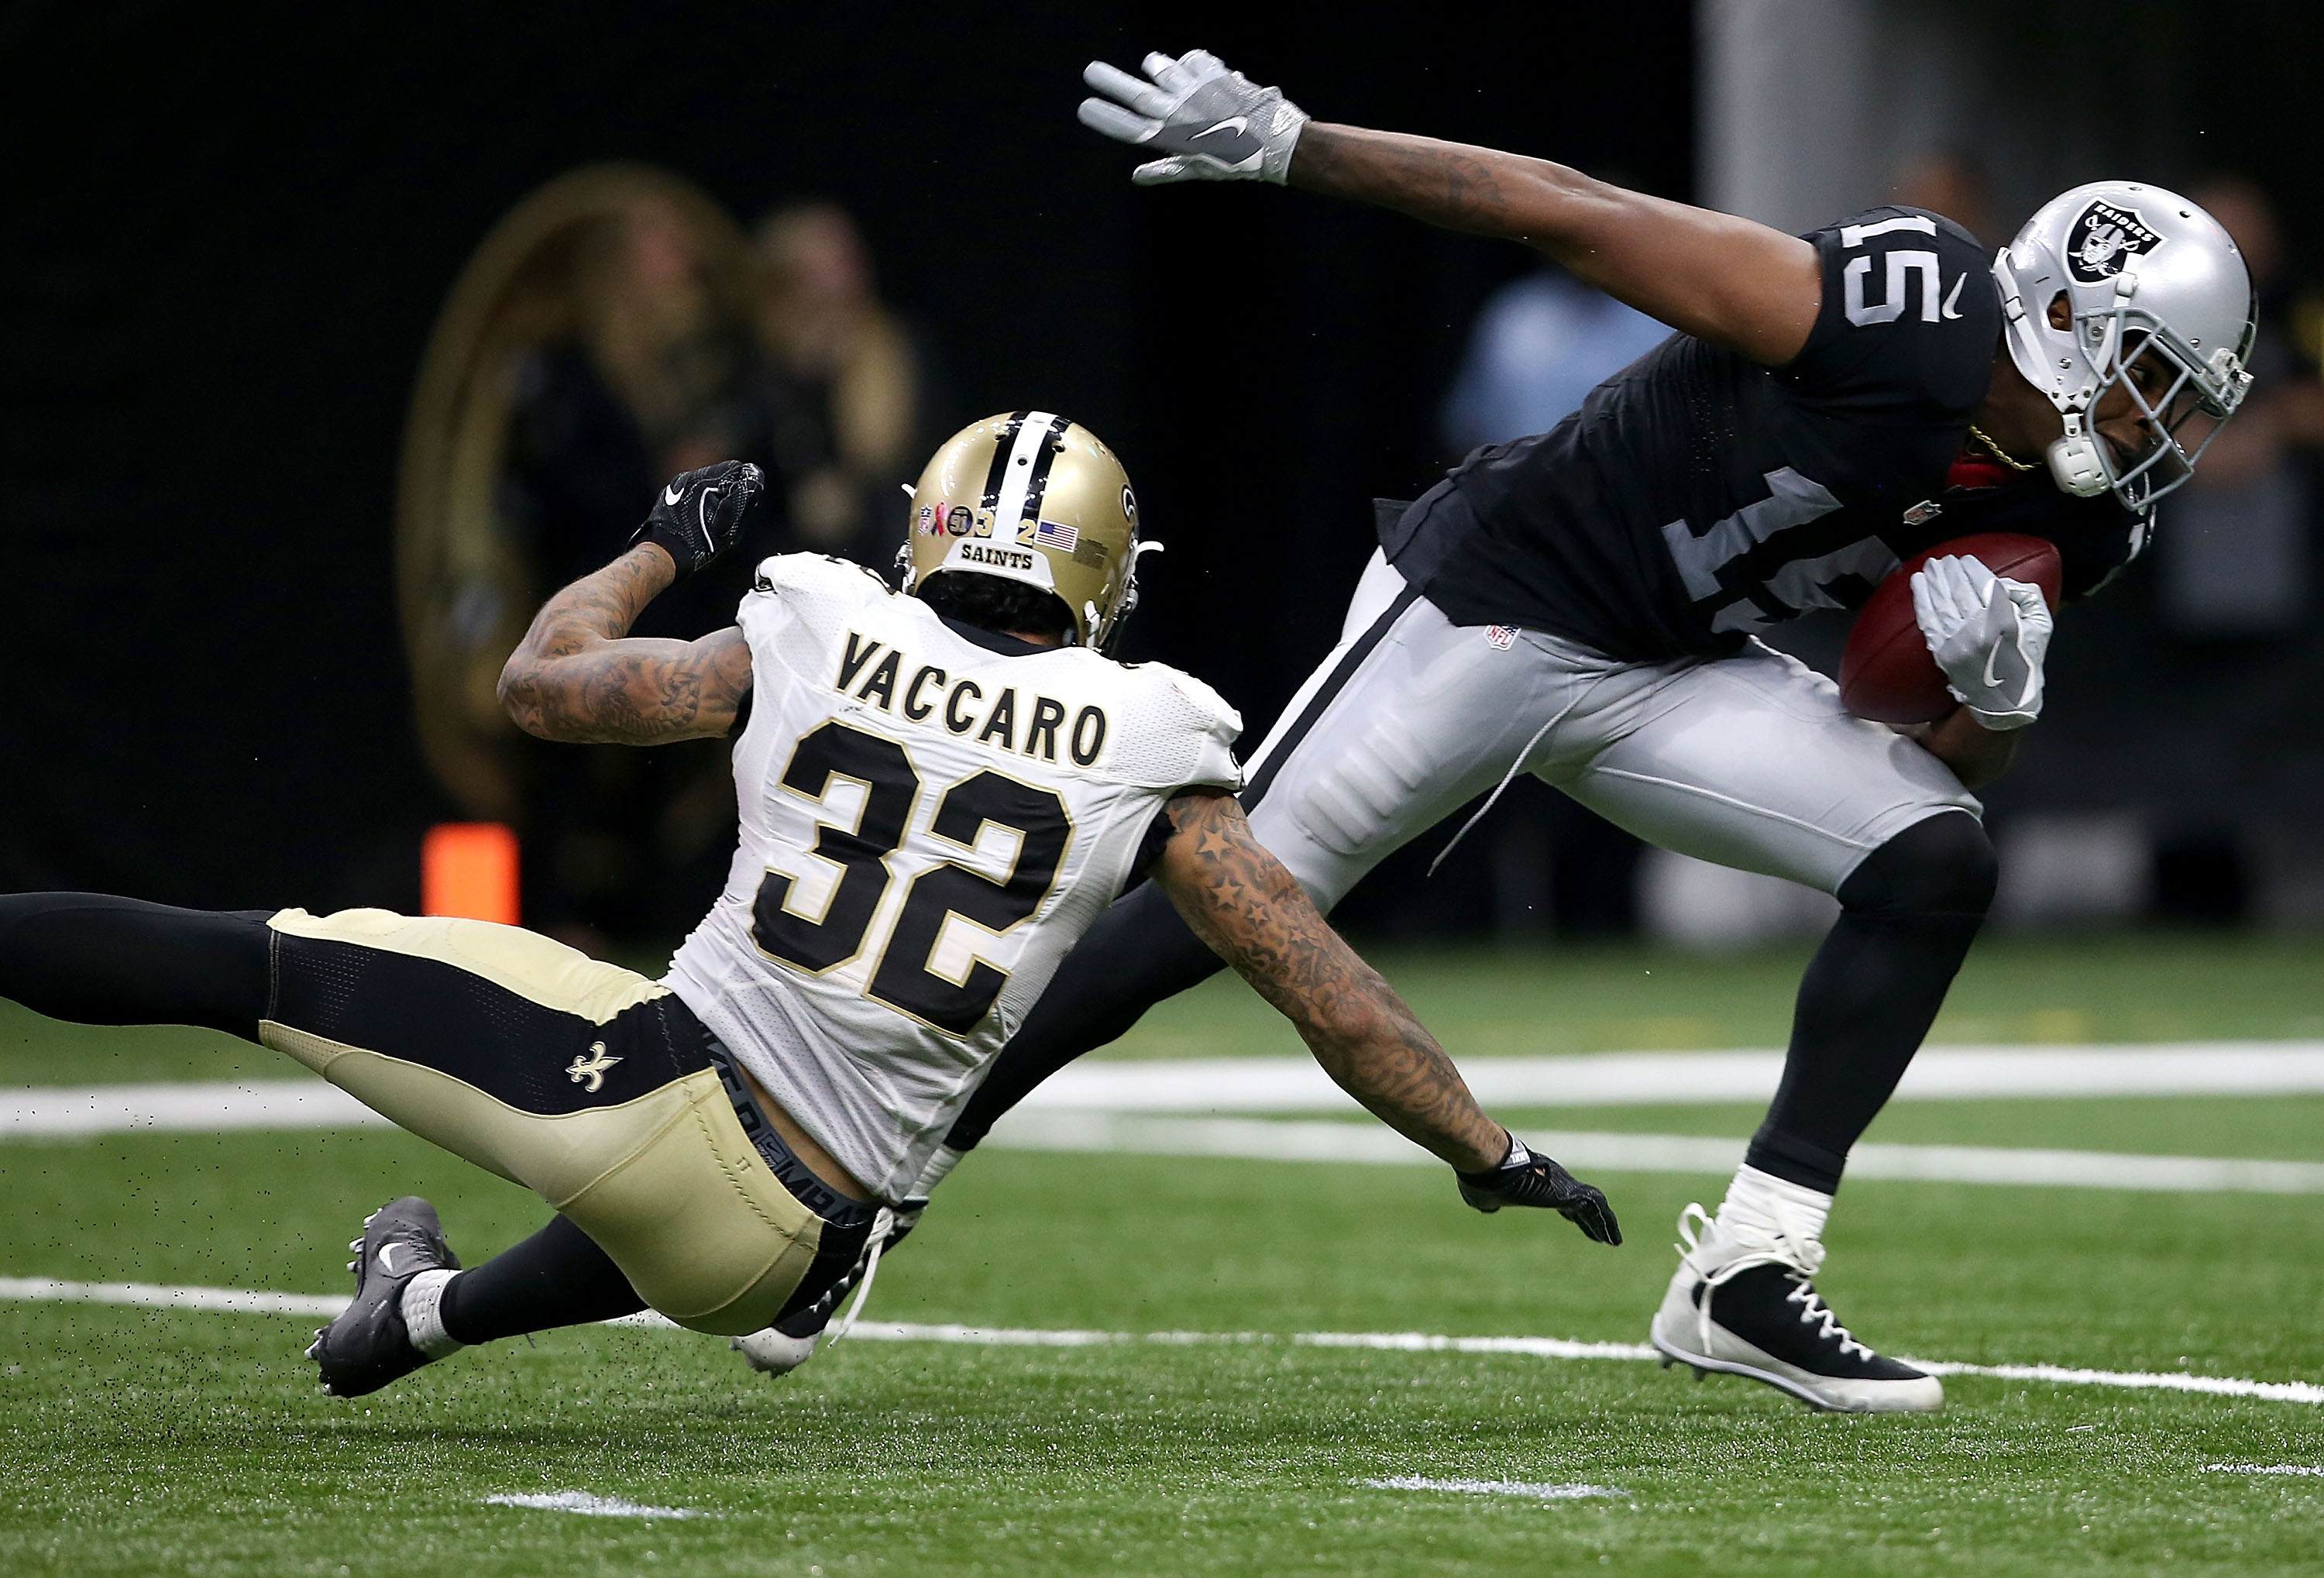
1527	1180
700	513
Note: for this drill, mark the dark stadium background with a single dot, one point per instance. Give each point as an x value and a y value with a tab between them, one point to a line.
227	231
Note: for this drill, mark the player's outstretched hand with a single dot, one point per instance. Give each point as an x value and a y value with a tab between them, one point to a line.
1527	1180
1211	122
1989	634
700	515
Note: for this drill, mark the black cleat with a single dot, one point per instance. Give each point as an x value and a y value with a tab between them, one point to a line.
1751	1309
368	1346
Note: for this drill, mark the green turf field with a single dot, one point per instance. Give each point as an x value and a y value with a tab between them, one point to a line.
139	1441
2143	987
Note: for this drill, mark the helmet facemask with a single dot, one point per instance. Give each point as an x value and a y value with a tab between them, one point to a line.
2193	400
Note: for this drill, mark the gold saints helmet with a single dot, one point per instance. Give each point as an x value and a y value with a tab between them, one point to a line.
1031	497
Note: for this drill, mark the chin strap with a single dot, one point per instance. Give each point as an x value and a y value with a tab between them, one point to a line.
2075	464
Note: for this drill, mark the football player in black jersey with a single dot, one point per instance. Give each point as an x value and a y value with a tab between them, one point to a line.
1580	604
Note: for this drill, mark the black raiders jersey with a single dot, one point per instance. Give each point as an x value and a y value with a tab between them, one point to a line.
1697	495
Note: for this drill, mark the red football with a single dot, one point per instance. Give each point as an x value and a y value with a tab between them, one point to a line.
1886	674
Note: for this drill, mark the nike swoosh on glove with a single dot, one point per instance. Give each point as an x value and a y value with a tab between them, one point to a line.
1527	1180
700	515
1989	634
1213	123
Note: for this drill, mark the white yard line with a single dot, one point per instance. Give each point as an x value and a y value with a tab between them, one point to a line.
1280	1139
49	1290
591	1506
2298	1470
1520	1488
1295	1084
286	1104
180	1109
153	1295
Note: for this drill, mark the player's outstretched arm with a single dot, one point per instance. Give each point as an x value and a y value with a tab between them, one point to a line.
1726	280
1718	277
1252	913
575	677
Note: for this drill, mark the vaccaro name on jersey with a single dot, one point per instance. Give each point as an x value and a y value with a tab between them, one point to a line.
872	672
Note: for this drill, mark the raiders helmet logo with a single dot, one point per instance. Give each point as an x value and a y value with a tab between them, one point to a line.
2104	240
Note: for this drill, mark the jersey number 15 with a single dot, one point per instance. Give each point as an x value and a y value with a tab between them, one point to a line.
902	977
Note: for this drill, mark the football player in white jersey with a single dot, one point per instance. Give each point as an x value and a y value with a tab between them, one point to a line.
940	788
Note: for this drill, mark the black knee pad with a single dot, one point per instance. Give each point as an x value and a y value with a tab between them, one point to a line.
1943	866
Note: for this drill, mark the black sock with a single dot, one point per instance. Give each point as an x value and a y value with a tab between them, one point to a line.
98	960
1138	953
1911	912
556	1277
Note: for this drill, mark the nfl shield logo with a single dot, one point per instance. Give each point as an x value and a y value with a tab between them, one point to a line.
1500	637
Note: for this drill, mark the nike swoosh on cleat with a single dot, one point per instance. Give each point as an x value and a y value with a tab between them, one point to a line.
387	1259
1236	124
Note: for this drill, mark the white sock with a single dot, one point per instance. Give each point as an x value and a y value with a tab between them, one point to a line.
1762	1201
423	1313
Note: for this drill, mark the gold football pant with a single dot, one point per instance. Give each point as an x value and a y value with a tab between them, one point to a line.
585	1083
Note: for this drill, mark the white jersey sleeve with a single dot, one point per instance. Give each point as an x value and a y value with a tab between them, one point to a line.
929	819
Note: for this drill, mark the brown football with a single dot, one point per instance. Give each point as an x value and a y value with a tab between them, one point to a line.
1886	674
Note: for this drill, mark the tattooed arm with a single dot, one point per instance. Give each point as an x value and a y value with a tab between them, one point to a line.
1241	902
1715	276
574	678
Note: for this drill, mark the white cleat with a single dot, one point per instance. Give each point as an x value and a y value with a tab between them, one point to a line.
1745	1304
773	1352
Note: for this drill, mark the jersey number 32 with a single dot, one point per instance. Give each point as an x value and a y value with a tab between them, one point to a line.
902	978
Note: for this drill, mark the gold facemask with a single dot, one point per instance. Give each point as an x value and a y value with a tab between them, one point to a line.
1032	497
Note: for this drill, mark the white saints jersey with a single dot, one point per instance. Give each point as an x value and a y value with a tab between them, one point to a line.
928	825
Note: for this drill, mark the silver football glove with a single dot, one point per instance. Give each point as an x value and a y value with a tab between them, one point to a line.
1213	123
1989	634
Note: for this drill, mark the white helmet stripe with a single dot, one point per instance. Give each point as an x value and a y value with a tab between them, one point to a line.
1033	434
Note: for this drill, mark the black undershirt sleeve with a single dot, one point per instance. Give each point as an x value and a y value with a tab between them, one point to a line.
1158	833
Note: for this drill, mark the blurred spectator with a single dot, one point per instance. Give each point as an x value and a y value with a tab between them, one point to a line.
649	383
645	386
842	392
1539	345
1951	182
2233	543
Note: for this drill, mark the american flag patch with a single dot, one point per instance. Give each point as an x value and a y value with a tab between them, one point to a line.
1056	534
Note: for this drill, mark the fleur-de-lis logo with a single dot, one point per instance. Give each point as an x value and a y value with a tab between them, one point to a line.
591	1068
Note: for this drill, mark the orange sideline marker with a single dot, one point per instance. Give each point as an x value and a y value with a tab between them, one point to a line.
469	869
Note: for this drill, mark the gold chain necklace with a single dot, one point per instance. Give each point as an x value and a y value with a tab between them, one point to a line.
1997	451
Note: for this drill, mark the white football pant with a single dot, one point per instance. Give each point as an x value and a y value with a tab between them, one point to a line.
1748	761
